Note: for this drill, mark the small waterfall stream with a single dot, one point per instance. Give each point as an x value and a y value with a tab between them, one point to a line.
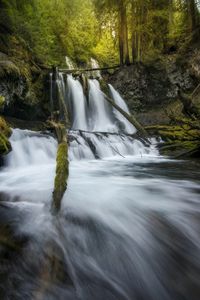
77	104
129	223
124	124
100	112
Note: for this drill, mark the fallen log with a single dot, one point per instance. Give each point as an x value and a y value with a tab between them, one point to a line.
62	165
88	70
141	131
64	108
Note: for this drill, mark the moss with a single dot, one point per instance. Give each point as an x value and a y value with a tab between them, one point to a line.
180	140
5	132
8	68
62	172
180	149
2	101
4	127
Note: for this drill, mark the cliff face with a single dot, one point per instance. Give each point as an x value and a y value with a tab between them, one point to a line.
23	84
152	89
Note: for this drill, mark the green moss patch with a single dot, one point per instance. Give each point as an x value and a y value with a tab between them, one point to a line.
5	132
181	140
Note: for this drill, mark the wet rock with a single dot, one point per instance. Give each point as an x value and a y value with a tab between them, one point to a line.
181	140
152	86
22	84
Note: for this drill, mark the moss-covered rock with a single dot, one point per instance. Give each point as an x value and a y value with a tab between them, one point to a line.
180	140
23	84
5	132
2	103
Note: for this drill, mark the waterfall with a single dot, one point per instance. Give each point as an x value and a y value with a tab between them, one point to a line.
70	64
95	65
77	104
124	124
127	227
97	129
30	148
101	118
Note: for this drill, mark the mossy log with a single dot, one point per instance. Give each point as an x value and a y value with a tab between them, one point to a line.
64	108
62	166
67	71
60	182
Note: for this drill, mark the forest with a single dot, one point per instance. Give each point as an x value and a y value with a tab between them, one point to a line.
99	149
111	31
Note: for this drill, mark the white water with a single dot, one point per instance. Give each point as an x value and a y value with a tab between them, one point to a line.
125	124
128	227
95	65
100	135
70	64
129	223
77	102
97	115
101	118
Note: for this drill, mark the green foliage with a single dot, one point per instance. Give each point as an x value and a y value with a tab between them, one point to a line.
5	132
81	29
106	51
2	101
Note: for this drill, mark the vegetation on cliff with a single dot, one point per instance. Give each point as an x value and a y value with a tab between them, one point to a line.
5	132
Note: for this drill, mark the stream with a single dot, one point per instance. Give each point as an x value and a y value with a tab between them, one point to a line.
129	226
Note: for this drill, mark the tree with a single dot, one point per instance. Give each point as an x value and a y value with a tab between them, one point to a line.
119	9
192	14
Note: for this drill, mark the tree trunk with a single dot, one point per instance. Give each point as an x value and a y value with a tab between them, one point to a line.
125	27
121	43
123	35
192	14
133	32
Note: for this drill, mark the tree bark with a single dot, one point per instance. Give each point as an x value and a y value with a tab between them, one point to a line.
125	30
192	14
123	34
120	34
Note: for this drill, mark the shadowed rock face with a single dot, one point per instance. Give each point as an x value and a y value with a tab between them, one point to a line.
147	87
22	83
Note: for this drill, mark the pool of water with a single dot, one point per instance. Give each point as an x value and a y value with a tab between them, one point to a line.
129	228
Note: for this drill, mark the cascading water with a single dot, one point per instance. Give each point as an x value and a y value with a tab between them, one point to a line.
70	64
128	228
94	132
126	126
77	104
95	65
100	113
